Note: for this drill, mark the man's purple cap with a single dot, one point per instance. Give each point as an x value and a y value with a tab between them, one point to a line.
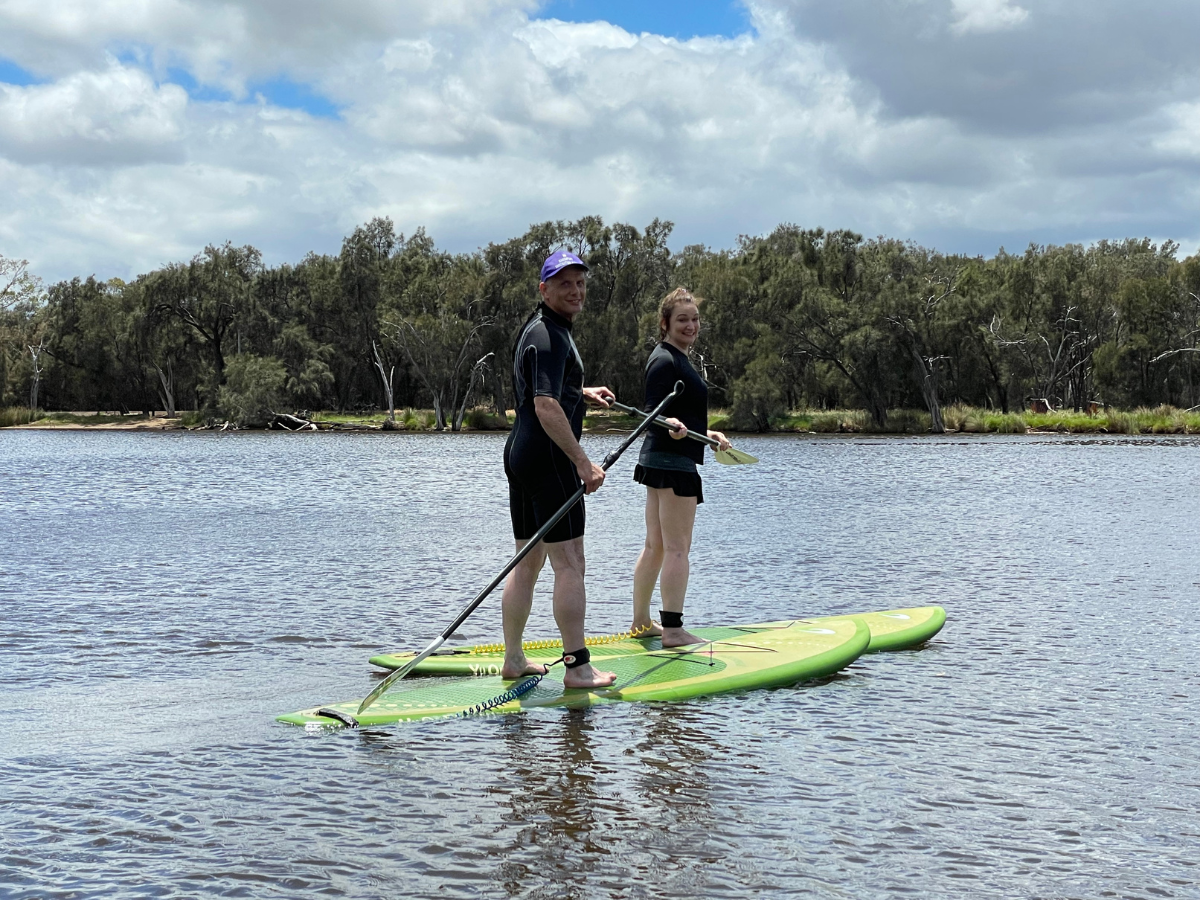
556	262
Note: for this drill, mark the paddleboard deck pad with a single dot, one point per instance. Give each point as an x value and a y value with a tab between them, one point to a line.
895	629
773	657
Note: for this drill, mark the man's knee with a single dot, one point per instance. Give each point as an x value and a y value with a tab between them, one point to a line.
531	565
566	557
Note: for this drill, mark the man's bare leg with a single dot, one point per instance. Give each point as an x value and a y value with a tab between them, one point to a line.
677	515
515	603
570	606
645	572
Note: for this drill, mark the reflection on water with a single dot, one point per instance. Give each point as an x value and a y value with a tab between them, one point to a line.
162	597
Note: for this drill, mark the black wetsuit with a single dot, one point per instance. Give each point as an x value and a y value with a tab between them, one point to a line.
541	478
667	462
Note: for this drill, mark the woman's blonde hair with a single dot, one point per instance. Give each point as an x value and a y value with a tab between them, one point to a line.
672	300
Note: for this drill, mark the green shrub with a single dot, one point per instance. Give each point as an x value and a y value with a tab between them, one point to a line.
955	417
1119	423
826	423
841	421
757	397
18	415
908	421
253	389
1005	423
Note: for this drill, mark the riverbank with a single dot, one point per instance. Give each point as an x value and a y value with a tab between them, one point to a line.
958	419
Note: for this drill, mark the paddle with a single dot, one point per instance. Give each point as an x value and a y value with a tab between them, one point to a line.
382	687
730	457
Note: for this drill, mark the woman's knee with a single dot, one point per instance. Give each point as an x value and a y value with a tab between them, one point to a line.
675	559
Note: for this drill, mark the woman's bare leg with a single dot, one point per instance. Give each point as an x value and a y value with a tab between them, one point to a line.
645	572
677	516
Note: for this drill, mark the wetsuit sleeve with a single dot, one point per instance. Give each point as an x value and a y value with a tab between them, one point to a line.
660	379
545	359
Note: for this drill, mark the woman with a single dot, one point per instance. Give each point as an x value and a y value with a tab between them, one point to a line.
667	467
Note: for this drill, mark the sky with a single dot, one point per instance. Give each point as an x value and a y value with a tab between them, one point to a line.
133	133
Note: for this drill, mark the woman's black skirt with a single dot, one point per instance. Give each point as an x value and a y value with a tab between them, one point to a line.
684	484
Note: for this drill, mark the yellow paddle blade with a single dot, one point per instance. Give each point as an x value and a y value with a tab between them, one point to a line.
733	457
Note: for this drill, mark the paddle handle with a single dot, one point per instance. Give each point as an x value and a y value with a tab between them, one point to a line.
382	687
661	420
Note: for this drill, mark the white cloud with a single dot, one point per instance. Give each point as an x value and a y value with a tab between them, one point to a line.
114	116
985	16
474	121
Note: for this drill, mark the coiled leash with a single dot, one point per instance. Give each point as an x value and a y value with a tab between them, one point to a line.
549	644
516	692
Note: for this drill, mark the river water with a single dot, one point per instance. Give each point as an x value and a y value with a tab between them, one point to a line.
164	596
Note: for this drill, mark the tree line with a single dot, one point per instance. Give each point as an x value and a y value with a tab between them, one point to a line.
795	319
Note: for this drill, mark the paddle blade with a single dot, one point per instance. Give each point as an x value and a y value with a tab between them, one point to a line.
733	457
384	686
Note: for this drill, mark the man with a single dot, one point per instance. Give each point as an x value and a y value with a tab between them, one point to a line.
545	465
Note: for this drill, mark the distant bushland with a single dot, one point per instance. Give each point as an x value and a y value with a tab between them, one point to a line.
803	329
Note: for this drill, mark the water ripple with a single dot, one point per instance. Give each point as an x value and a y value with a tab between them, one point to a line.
164	596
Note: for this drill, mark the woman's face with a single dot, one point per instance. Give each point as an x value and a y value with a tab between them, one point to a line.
684	326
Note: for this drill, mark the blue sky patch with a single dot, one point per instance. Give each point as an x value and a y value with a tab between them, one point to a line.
280	91
294	95
11	73
672	18
195	90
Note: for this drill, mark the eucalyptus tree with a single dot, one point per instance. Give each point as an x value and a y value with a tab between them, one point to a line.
208	294
435	313
96	336
22	296
915	289
364	265
832	312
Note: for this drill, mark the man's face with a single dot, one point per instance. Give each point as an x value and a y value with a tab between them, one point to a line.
564	292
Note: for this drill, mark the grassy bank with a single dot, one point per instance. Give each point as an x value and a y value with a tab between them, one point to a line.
18	415
973	420
958	419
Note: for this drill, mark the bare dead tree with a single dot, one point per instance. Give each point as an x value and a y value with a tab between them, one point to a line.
438	347
1061	359
387	377
477	372
166	389
36	379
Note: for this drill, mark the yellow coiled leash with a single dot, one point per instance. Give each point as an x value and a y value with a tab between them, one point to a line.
557	643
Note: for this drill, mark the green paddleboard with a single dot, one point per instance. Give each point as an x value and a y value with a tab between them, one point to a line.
769	658
895	629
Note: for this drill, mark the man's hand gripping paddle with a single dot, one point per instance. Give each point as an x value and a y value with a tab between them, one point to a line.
383	686
730	457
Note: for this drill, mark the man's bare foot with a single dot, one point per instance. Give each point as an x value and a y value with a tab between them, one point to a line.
679	637
516	668
649	628
586	677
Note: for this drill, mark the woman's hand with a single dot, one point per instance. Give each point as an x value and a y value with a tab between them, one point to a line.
600	396
678	429
720	439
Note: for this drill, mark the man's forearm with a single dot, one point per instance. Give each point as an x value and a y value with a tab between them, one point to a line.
555	423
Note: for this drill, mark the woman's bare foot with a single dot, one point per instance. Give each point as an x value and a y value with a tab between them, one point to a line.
649	628
517	668
586	677
679	637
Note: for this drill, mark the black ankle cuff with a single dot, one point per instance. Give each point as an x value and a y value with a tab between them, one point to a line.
577	658
672	619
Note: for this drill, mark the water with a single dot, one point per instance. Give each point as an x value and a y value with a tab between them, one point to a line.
163	596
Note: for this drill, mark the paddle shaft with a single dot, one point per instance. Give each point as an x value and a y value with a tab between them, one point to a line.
382	687
662	420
